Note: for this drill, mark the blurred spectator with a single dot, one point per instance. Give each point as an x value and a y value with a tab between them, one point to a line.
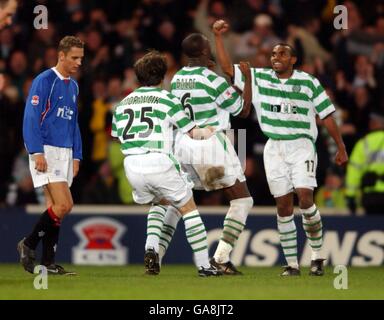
74	16
98	122
21	190
103	188
360	109
6	152
116	160
167	38
248	10
41	40
203	23
18	70
364	75
130	82
98	54
306	35
261	39
332	193
173	67
365	172
6	44
7	10
124	41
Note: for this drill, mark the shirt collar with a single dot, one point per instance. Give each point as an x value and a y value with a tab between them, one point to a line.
60	76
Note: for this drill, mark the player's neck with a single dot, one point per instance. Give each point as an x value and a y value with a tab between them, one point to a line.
196	62
62	71
285	75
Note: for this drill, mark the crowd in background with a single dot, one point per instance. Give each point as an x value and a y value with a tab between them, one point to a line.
349	63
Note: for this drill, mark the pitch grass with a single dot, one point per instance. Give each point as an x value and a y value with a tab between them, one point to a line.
180	282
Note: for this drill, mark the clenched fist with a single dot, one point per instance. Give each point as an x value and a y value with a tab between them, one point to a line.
220	27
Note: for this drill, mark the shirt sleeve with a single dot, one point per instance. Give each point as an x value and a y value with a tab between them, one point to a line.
321	101
36	107
77	146
114	127
227	98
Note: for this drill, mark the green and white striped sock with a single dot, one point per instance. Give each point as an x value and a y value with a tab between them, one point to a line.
171	220
288	239
155	220
197	238
231	232
313	228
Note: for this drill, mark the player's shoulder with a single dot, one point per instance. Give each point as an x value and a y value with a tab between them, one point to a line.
47	76
302	75
212	77
263	70
169	96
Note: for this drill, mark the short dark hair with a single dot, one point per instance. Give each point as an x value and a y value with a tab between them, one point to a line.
292	49
193	45
151	68
69	42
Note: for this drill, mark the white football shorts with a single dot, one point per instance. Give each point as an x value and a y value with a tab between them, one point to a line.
212	164
60	166
290	164
155	176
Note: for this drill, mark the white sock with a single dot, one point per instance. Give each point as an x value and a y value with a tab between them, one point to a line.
222	252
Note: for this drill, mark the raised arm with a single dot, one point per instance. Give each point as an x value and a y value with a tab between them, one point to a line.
218	28
247	92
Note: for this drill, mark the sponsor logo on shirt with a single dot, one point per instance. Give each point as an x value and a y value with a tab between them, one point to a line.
65	113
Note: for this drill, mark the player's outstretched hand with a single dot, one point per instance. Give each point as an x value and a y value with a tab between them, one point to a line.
220	27
40	162
341	157
245	68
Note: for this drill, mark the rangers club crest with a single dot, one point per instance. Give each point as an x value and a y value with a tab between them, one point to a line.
35	100
99	242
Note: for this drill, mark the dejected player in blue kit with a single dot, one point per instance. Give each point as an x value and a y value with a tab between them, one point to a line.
52	138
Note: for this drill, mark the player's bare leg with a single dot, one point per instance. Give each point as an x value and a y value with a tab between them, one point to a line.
313	228
59	202
241	203
287	232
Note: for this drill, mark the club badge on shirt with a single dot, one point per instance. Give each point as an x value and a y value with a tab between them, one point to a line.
35	100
